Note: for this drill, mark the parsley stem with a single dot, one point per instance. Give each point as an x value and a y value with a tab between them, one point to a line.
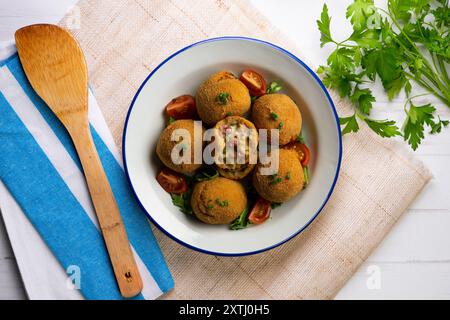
425	85
437	83
433	76
342	44
389	13
435	64
360	115
443	68
413	97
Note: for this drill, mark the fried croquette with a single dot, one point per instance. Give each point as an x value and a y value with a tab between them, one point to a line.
277	111
218	201
285	183
166	145
220	96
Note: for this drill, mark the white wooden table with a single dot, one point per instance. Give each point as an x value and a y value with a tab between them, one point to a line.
413	262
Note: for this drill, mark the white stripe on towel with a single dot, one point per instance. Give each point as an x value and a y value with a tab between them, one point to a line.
61	160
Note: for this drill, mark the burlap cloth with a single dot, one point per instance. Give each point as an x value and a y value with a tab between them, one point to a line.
124	40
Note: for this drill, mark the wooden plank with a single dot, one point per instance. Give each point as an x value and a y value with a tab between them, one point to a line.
436	193
399	281
419	236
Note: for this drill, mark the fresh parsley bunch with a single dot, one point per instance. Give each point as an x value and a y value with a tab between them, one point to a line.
408	42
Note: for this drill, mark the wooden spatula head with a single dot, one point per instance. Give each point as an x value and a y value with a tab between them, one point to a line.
55	66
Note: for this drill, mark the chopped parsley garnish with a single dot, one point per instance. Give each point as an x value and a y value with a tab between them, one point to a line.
273	87
276	181
288	176
280	125
300	138
223	98
274	116
209	205
229	113
223	203
170	120
306	175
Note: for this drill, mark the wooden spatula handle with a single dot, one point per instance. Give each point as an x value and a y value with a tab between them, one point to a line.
110	221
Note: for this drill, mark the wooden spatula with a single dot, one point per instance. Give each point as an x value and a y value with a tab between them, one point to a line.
56	69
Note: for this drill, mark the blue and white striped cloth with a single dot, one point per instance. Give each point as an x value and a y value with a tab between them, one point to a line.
41	171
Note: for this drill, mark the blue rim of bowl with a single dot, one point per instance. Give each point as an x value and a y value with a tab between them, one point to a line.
295	58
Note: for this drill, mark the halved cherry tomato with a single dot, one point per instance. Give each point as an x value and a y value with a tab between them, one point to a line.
182	107
254	82
302	151
171	181
260	211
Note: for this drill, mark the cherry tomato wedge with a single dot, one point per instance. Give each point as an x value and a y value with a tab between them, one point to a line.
254	82
182	107
302	150
260	211
171	181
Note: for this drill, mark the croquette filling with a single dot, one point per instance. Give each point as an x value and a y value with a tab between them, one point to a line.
235	146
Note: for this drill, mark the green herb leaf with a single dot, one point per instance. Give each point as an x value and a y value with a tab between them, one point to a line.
394	87
241	222
274	115
407	43
341	59
350	123
324	26
280	125
384	128
221	203
414	124
384	62
339	80
363	98
357	56
274	87
369	38
182	202
402	9
358	12
209	205
300	138
437	127
306	176
170	120
276	181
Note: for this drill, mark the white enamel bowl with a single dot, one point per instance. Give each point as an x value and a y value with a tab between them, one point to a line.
182	73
